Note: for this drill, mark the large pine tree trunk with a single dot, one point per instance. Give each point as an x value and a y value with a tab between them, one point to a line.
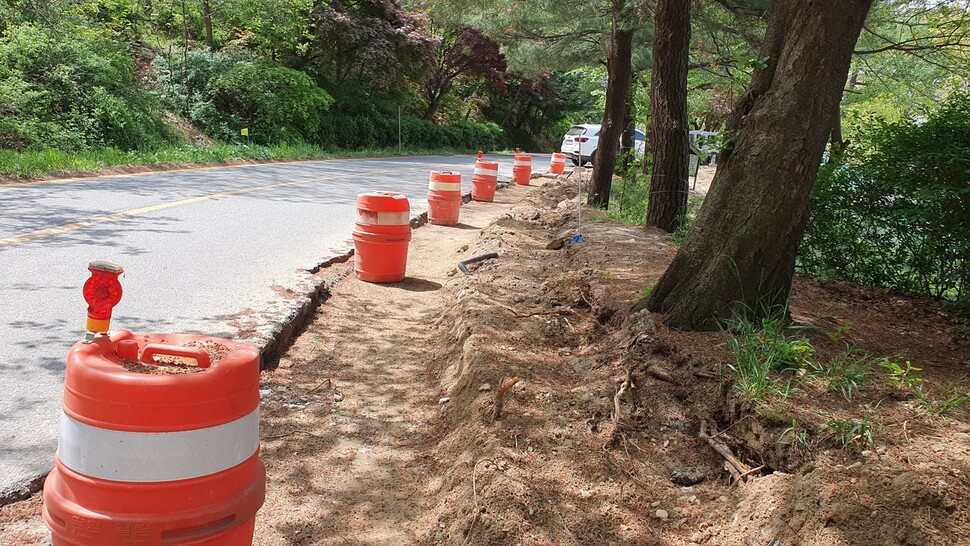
740	253
620	71
669	139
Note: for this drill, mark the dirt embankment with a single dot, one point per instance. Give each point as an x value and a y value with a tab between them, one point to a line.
380	426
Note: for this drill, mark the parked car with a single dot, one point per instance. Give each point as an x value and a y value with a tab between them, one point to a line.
579	143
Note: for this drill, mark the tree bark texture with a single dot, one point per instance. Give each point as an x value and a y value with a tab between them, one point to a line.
619	73
628	140
740	253
669	139
207	19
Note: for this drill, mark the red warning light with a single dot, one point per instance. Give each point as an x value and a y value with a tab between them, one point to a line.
102	292
480	154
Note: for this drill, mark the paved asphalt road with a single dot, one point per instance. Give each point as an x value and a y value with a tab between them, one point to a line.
205	251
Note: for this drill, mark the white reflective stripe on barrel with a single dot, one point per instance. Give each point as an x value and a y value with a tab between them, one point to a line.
559	160
486	172
521	163
373	218
156	456
444	186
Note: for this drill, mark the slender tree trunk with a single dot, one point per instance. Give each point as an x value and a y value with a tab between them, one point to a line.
628	138
669	142
836	144
740	254
619	68
207	18
432	99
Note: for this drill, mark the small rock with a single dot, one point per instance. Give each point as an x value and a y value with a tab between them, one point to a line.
443	400
662	514
654	504
687	476
866	453
468	456
938	447
585	493
722	498
485	387
337	397
263	393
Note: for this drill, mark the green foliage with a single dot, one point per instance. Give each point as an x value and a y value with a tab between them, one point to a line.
846	374
762	349
693	205
630	194
902	376
276	103
796	436
954	397
72	92
894	214
850	433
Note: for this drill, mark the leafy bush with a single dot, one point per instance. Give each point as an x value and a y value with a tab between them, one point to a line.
183	78
72	91
276	103
894	213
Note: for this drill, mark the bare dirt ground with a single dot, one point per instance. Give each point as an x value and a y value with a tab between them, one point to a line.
379	425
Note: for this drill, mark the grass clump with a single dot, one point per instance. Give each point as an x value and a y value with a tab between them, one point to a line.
955	397
850	433
761	351
846	374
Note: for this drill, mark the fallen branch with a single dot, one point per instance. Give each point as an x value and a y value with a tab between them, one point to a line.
752	471
326	382
500	396
740	470
624	387
661	375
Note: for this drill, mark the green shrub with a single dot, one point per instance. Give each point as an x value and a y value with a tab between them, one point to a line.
276	103
894	213
72	91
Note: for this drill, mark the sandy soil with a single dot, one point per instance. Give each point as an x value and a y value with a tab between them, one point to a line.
379	425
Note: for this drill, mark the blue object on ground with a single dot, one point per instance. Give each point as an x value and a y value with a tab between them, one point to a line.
576	239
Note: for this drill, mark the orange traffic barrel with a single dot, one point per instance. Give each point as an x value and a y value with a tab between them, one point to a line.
158	443
444	198
558	163
484	181
382	234
522	169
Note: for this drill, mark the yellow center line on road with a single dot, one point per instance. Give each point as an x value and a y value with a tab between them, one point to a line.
107	218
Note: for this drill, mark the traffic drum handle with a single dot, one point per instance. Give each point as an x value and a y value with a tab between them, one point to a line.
196	353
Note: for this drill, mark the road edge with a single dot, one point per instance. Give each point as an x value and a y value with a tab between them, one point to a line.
272	347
